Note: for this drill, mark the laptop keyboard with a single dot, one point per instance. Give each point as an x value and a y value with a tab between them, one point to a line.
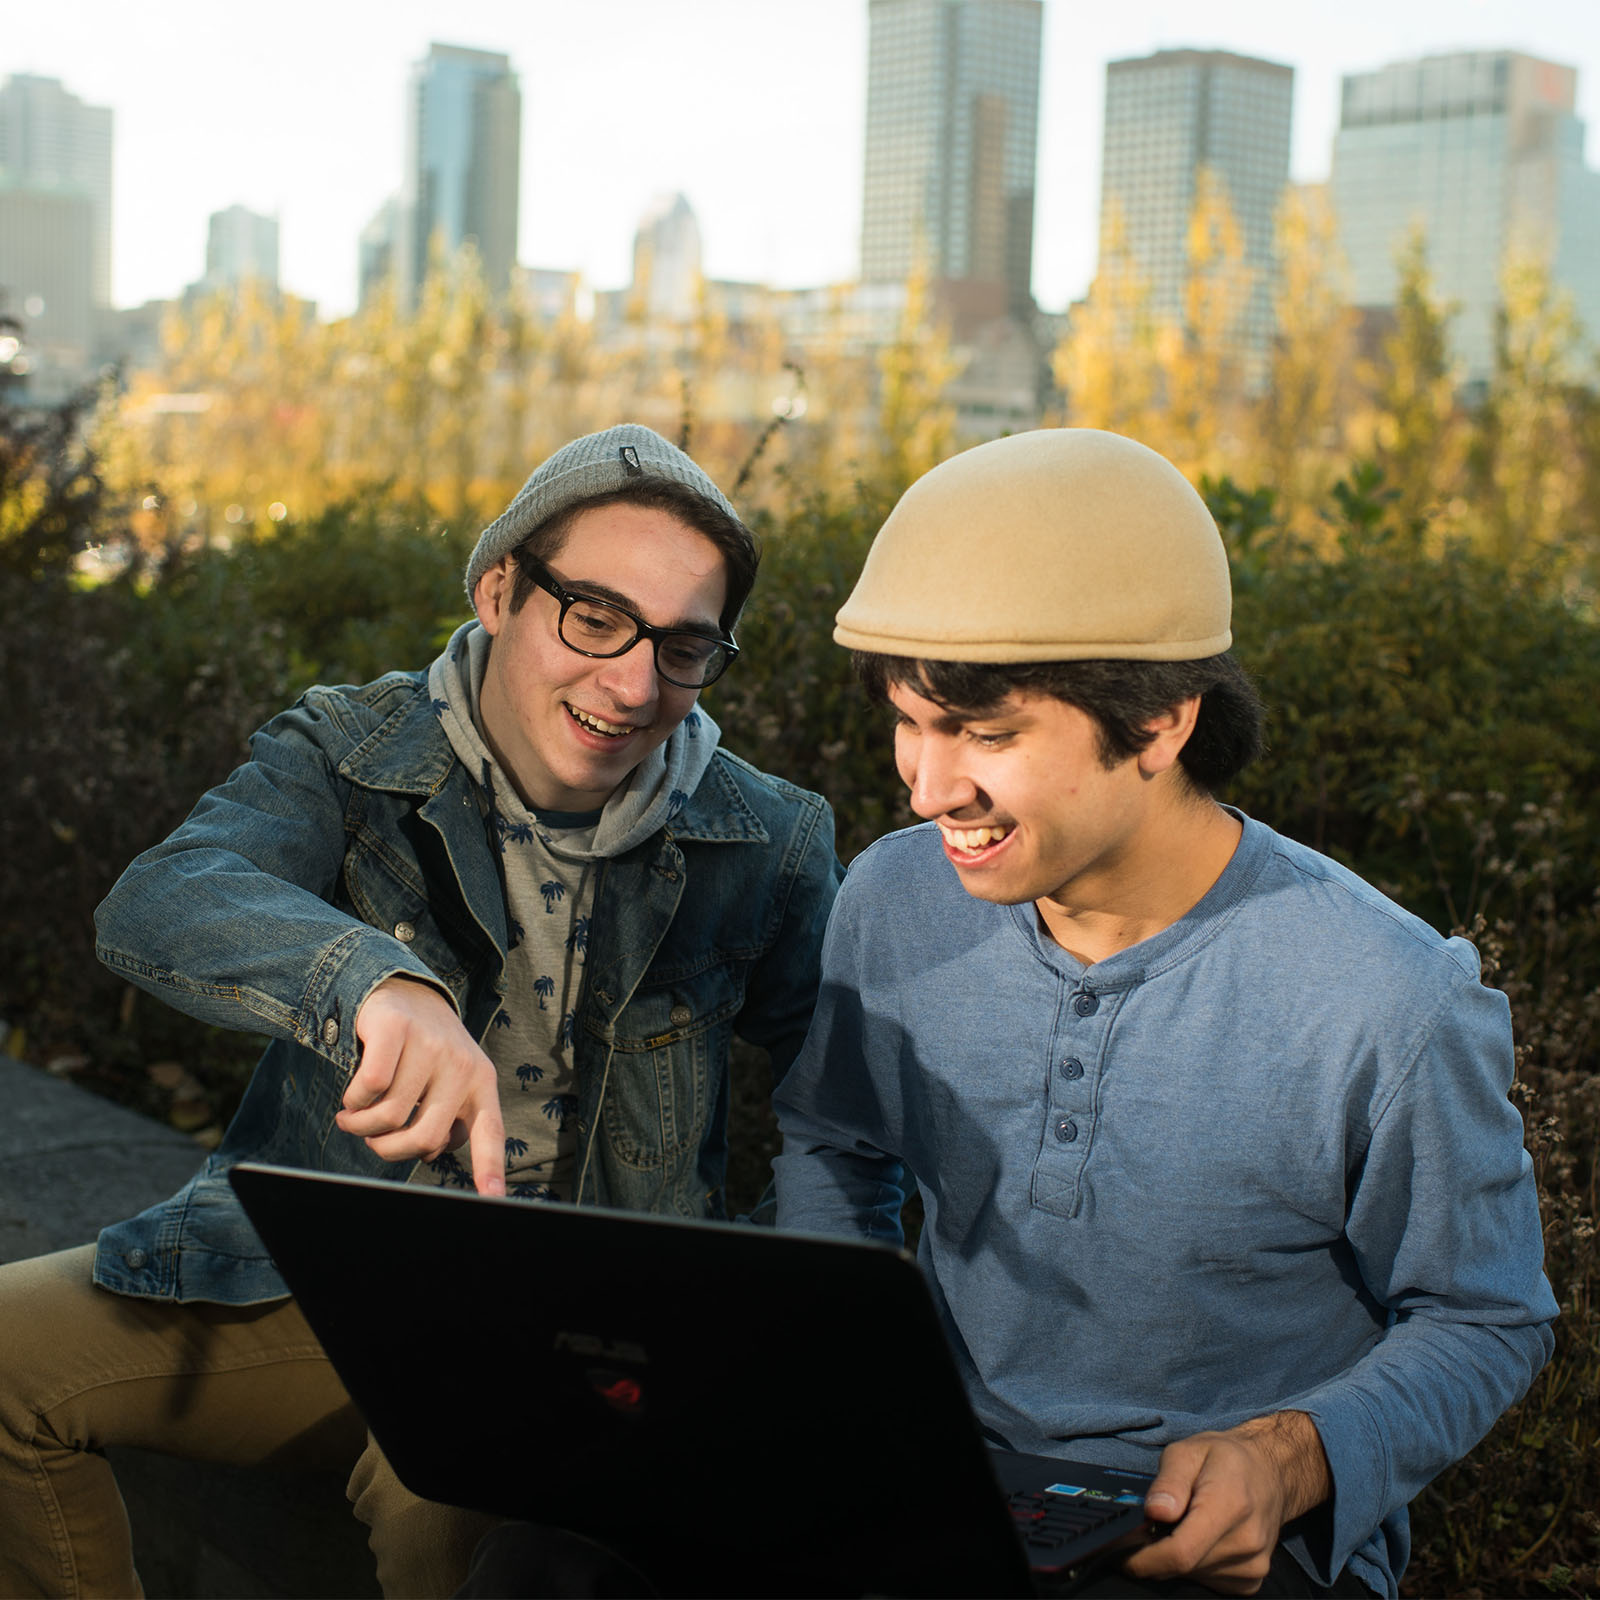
1049	1520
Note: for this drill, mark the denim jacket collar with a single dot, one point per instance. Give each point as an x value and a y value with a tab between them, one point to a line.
408	753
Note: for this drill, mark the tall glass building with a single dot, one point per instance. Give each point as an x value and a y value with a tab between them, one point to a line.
51	142
1168	117
463	157
1483	151
952	130
241	245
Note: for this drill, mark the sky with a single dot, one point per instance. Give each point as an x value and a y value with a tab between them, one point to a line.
751	108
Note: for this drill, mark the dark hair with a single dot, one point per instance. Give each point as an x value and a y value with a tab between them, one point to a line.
1123	698
734	542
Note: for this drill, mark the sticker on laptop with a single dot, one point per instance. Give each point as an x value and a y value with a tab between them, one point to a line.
1064	1488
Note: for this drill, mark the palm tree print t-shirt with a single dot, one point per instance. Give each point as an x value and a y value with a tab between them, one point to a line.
549	865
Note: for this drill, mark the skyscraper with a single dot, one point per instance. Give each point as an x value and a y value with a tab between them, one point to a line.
952	123
1483	151
463	157
241	244
1170	118
46	247
51	141
666	260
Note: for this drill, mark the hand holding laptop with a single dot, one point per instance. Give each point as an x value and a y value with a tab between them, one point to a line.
1226	1497
423	1085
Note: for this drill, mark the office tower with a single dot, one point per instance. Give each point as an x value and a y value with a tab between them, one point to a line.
375	251
241	245
1170	118
51	141
463	151
952	119
666	261
46	285
1483	152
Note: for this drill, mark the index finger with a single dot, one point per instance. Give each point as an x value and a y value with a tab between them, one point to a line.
486	1142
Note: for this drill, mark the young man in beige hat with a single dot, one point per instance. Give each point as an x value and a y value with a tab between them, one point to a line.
1219	1175
500	918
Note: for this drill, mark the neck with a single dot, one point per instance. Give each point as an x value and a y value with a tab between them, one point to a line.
1165	870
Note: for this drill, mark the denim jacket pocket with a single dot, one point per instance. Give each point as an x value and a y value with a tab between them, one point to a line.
392	896
669	1054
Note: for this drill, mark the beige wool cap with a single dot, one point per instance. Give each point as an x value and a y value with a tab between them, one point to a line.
1058	545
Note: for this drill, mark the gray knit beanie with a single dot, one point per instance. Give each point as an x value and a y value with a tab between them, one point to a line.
596	464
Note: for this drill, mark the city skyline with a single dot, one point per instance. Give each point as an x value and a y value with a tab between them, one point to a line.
753	110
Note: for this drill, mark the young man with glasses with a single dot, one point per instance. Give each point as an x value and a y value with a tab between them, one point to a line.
502	920
1219	1176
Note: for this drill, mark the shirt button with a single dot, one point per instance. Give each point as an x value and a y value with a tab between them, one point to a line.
330	1031
680	1016
1066	1130
136	1259
1072	1067
1086	1003
404	932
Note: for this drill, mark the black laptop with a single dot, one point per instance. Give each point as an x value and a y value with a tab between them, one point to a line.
735	1410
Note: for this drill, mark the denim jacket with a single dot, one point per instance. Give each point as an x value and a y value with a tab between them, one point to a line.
352	848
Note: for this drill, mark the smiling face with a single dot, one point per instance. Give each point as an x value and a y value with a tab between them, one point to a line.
1029	811
1025	805
567	729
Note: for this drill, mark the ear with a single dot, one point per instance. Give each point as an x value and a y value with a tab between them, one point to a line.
1172	729
492	598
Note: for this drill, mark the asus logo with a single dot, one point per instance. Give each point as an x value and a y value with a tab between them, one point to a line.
589	1344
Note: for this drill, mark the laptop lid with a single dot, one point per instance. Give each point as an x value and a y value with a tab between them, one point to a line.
735	1410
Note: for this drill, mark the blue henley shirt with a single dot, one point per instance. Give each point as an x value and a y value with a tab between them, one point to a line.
1263	1160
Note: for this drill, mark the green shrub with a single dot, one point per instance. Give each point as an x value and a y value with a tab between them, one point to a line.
128	697
1433	722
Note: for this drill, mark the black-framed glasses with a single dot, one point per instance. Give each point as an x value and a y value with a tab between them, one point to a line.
602	629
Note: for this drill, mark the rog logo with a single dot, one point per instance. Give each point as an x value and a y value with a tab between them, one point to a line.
622	1393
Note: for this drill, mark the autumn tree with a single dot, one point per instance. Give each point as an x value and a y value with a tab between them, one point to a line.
1523	463
1205	360
1413	429
1298	419
1106	365
916	423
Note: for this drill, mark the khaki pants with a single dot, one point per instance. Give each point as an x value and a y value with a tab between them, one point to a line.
82	1369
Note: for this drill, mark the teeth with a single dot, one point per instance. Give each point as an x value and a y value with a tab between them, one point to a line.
972	838
598	724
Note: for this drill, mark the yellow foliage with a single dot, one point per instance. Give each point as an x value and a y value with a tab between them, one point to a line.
1108	365
916	423
1300	416
1528	468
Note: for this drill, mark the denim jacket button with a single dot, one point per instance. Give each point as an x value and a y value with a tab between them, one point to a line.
136	1259
404	932
330	1031
680	1016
